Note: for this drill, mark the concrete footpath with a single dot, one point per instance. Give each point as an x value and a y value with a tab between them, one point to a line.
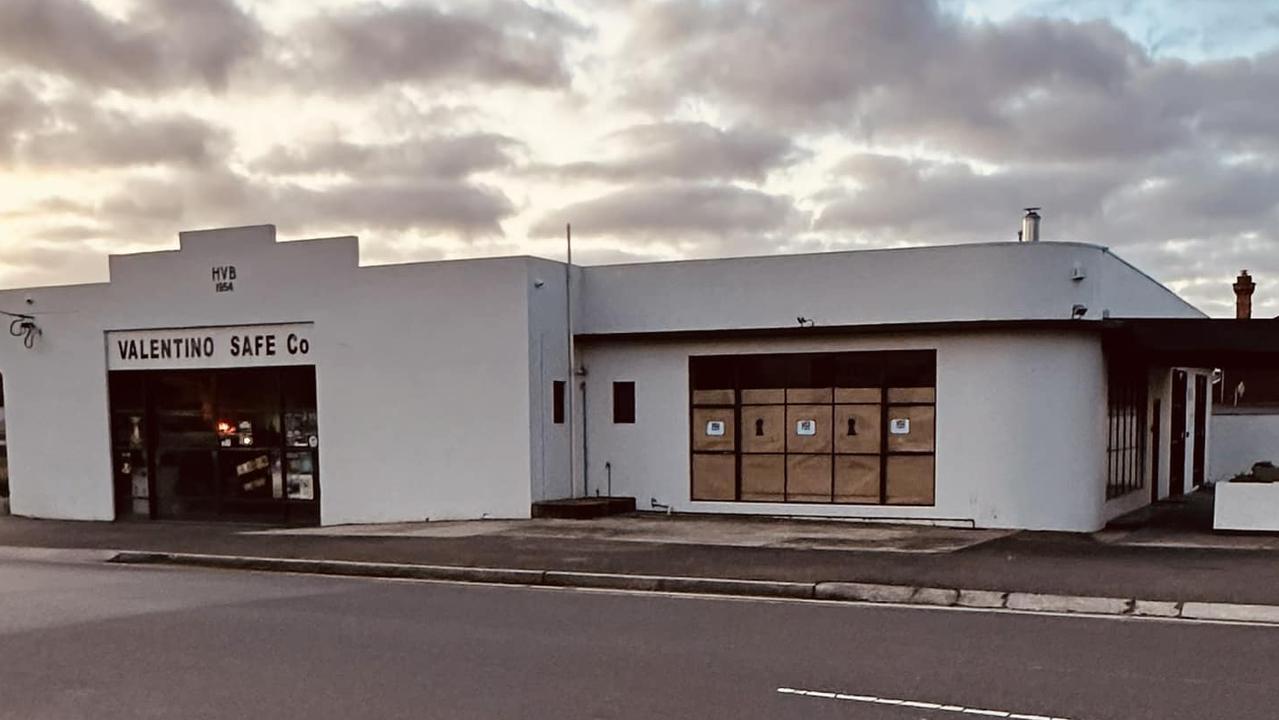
1033	572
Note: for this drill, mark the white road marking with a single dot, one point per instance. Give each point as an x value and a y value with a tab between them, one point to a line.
915	704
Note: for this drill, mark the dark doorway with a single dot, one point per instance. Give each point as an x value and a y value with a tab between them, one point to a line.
236	444
1154	449
1201	429
1177	436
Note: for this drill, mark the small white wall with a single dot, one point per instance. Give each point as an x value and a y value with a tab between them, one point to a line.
1238	440
1020	426
1246	506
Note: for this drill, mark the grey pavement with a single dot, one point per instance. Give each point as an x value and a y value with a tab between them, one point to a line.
686	530
96	641
1022	562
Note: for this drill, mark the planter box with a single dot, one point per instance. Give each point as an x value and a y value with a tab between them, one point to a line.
1250	506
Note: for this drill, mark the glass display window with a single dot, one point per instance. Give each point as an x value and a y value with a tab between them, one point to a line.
225	443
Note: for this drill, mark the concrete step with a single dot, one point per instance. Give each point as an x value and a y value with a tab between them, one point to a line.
583	508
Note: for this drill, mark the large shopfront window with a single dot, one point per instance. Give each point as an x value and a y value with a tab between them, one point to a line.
234	443
847	428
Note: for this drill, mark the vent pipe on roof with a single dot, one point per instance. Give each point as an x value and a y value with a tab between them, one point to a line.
1244	286
1030	225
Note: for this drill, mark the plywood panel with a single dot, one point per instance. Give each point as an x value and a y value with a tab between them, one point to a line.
764	396
808	478
856	479
713	397
910	480
763	428
912	395
857	428
702	419
714	477
764	477
858	395
920	437
808	395
820	440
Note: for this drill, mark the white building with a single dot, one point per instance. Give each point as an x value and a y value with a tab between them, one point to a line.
992	385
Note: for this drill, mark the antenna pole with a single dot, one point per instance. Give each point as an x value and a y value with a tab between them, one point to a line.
571	384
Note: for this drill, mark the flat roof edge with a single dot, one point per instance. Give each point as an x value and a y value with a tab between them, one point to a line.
1061	325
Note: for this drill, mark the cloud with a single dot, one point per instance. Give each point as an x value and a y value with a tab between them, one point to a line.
40	262
676	209
692	127
894	71
74	134
929	202
1184	218
688	151
455	156
492	41
158	45
215	197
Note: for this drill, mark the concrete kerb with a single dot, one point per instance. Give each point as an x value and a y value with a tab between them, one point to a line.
336	567
831	591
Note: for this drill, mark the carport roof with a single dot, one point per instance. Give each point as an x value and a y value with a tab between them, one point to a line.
1197	342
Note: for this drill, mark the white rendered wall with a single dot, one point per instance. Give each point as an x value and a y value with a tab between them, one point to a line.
56	411
1238	440
996	281
1020	426
422	373
548	362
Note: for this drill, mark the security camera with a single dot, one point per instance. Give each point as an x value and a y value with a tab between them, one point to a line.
1078	311
538	283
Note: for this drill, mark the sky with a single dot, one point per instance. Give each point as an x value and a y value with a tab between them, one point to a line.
661	130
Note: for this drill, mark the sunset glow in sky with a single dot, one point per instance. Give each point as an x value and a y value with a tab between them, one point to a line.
661	130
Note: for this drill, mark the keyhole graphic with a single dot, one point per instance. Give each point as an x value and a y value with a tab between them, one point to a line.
852	426
759	427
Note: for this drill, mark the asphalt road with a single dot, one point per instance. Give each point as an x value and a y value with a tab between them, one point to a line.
80	640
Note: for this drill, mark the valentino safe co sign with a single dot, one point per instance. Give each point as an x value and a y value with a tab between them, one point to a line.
210	347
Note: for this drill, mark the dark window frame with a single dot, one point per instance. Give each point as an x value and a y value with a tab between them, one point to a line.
1127	397
558	388
623	402
877	369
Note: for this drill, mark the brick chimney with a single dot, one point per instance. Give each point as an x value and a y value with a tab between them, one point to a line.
1243	295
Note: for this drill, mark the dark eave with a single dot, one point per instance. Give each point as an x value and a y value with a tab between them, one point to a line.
1198	342
830	331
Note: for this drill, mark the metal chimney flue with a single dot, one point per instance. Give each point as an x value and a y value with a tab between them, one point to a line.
1030	225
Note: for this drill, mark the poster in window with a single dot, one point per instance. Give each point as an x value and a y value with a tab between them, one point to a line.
300	429
301	476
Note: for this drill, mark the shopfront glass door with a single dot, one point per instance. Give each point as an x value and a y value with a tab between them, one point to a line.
237	444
